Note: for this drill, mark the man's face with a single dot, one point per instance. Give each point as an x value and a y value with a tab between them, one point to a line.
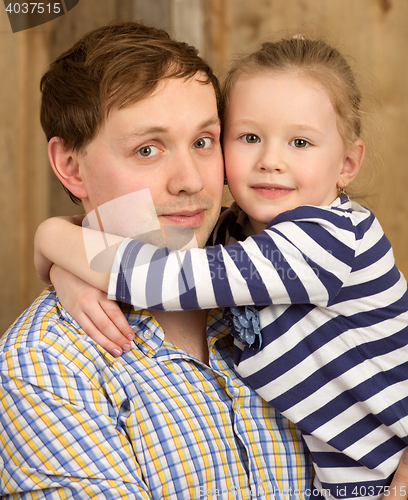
168	143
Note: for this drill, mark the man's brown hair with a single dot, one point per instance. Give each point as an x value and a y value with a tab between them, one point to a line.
109	68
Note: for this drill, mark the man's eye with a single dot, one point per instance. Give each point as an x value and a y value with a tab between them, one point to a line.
203	143
147	151
299	143
250	138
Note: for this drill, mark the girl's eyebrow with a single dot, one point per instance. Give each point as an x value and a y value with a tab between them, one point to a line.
244	121
307	127
295	126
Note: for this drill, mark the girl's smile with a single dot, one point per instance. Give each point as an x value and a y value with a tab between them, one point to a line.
271	191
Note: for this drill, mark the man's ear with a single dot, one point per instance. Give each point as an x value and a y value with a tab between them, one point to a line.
352	163
64	162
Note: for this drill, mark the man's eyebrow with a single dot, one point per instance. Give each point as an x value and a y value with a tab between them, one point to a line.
145	131
162	130
215	120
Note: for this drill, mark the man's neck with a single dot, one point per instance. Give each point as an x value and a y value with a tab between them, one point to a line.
187	330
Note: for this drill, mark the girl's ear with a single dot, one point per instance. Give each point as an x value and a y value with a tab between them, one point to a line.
64	162
352	163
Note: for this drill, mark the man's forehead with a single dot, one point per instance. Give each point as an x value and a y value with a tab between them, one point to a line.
177	105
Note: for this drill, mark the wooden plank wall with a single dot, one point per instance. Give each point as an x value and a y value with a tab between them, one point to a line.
23	178
373	32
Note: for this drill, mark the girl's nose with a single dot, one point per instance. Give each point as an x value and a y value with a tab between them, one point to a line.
272	158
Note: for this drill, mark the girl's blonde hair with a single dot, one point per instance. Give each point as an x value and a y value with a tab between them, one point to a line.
313	59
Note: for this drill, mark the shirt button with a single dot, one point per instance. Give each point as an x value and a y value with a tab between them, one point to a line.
134	327
148	334
260	480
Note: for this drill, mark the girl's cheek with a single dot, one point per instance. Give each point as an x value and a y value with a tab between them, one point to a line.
230	157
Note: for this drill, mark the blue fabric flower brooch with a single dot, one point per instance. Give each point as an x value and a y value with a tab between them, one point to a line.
244	325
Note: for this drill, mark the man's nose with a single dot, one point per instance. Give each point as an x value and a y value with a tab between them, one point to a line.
186	176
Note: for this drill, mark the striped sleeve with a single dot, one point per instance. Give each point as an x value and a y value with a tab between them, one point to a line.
303	257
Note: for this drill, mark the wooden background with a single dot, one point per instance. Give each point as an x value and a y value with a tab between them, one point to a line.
373	32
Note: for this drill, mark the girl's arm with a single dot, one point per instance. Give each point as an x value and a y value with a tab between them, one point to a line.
303	257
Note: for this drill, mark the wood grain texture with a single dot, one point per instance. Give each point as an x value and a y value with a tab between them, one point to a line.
23	160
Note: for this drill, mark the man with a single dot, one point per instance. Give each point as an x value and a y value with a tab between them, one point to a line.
128	109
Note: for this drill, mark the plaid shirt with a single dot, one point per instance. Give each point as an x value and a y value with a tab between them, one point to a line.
156	423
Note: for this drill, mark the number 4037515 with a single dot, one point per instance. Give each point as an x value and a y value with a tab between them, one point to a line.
33	8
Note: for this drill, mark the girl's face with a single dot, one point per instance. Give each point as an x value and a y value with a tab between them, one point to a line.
282	146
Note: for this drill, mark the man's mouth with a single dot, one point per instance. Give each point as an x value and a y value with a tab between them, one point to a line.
188	218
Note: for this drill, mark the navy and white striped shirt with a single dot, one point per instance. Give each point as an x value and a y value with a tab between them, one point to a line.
333	310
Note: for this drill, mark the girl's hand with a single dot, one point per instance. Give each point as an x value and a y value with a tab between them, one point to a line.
398	489
101	318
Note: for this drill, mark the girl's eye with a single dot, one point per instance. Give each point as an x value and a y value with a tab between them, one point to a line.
299	143
202	143
250	138
147	151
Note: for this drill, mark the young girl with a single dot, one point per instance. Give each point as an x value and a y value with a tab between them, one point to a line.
318	309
